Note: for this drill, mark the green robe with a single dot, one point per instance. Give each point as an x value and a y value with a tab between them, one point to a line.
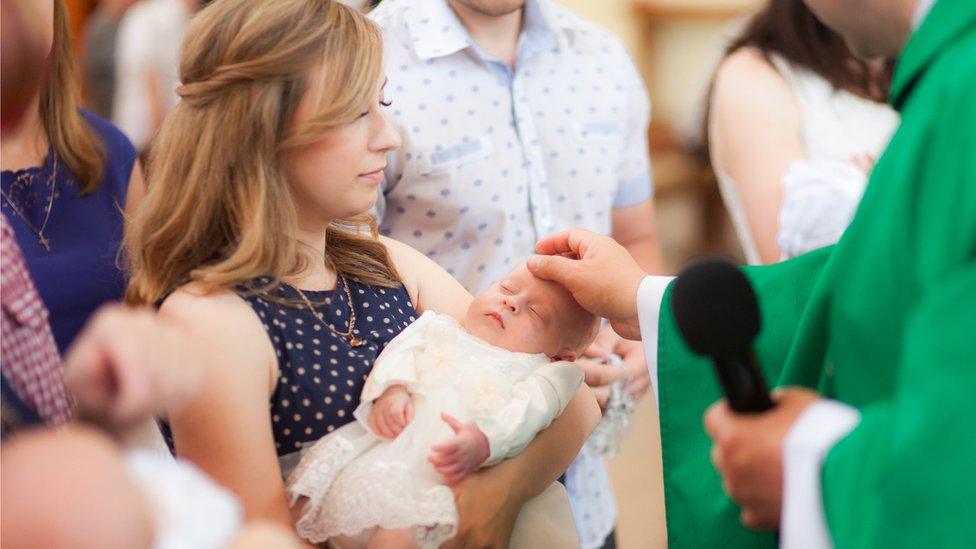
884	321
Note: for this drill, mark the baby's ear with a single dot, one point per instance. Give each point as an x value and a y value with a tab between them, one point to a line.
565	354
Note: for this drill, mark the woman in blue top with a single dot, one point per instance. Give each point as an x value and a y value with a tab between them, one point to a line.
254	236
68	178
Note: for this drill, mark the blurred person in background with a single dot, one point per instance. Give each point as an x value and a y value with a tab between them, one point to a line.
69	177
126	366
795	123
147	65
98	57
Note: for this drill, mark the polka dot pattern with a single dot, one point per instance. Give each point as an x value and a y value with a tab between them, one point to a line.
320	376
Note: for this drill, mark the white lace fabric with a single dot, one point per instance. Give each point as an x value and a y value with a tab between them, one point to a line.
339	504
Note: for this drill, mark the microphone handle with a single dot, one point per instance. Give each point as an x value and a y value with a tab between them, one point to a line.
743	383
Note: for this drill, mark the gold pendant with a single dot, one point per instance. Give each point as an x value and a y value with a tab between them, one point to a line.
356	342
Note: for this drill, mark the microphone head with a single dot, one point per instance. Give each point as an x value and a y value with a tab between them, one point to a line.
715	308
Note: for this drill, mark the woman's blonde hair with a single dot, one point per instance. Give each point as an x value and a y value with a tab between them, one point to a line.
218	209
74	141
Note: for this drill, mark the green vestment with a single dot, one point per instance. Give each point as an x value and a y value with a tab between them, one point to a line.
884	321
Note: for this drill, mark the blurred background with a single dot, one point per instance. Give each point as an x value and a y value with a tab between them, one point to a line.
676	45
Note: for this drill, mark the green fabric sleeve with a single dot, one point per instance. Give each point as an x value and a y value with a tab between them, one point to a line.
906	475
699	514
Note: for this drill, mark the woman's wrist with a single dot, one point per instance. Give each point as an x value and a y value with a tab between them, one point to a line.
510	476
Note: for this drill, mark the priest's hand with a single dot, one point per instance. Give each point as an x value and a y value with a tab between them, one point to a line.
599	272
748	453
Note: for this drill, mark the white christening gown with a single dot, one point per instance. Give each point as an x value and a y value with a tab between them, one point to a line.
353	480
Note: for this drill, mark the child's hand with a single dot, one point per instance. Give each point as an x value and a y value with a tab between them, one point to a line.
391	412
463	454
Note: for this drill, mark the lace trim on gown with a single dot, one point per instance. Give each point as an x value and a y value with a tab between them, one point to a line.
342	506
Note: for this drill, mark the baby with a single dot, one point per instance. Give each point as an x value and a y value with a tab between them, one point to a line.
444	398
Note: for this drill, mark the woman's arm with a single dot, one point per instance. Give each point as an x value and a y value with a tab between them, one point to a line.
535	402
429	286
225	426
489	500
755	134
552	451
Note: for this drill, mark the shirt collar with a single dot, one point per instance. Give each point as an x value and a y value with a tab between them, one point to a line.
436	30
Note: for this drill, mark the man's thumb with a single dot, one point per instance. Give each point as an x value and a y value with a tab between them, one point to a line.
552	267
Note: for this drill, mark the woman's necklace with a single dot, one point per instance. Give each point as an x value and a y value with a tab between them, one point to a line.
353	340
43	240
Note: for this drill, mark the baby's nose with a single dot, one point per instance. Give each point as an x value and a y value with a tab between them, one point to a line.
511	304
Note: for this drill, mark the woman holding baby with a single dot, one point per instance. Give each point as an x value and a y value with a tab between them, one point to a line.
254	235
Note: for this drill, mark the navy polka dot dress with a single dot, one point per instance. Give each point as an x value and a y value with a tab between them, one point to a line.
320	375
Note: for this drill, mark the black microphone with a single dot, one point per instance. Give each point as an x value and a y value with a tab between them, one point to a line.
718	316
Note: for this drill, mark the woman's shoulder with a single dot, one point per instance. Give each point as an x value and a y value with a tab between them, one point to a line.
118	147
239	355
120	154
232	330
748	87
429	286
747	70
211	310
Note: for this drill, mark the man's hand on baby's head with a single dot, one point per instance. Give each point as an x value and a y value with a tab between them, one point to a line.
391	412
463	454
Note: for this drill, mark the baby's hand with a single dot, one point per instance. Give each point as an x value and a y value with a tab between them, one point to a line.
391	412
463	454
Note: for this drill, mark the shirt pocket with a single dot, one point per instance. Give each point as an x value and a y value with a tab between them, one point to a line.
599	131
450	158
600	144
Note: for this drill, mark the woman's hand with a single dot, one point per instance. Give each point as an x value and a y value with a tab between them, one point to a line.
489	501
391	412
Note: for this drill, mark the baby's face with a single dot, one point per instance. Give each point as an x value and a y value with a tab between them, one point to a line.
525	314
